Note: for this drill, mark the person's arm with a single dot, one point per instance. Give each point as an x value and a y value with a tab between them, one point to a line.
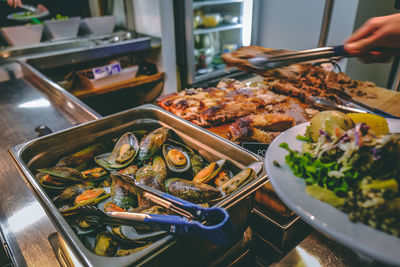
377	40
14	3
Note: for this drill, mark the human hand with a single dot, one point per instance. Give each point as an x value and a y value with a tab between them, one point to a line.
14	3
377	40
41	7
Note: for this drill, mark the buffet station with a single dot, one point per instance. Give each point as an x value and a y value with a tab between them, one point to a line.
295	165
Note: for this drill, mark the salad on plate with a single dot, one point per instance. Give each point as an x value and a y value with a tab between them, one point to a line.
352	162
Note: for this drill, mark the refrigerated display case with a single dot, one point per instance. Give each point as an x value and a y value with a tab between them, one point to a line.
205	30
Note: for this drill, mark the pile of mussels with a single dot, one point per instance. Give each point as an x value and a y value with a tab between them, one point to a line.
83	178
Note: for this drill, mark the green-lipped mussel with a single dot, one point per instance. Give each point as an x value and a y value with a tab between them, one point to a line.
81	156
209	172
122	193
243	177
124	152
152	142
63	172
192	191
105	245
79	181
176	158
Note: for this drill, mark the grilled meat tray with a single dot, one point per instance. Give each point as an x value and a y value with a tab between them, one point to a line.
46	150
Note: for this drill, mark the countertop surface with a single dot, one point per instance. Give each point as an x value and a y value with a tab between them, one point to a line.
26	103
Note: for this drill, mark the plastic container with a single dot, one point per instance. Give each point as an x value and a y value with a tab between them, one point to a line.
62	29
125	76
22	35
98	25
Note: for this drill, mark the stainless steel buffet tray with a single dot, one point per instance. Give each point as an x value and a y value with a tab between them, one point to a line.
44	152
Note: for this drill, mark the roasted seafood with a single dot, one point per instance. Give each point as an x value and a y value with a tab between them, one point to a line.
261	127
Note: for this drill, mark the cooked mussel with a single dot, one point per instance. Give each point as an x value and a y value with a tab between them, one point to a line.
126	252
122	193
52	182
81	156
63	172
176	158
110	206
209	172
222	177
159	165
196	162
97	173
69	193
242	178
124	152
91	197
155	209
192	191
130	170
148	176
105	245
152	142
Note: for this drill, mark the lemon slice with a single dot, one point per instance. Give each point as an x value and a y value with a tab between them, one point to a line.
377	123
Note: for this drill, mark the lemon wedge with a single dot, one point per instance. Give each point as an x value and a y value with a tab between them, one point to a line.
377	123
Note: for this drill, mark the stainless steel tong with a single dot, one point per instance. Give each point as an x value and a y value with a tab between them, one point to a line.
277	60
347	105
210	223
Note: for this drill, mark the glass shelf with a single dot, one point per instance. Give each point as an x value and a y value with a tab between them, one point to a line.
217	29
197	4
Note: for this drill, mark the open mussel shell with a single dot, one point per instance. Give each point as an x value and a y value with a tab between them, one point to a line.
51	182
242	178
81	156
84	227
176	158
132	234
92	196
209	172
95	174
105	245
124	152
69	193
63	172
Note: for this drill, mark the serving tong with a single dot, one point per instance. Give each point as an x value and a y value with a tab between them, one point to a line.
212	223
347	104
282	58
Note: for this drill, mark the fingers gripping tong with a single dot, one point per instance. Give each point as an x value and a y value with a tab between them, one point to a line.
210	223
286	58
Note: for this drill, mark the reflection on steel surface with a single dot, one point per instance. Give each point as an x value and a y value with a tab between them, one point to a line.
319	250
25	217
36	103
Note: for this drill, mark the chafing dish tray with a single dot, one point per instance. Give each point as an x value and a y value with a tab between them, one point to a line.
43	152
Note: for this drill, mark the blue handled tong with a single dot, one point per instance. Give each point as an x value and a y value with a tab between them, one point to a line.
212	223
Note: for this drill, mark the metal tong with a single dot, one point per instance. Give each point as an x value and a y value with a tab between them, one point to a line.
277	60
347	105
210	223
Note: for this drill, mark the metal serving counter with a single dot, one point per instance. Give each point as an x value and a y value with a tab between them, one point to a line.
28	100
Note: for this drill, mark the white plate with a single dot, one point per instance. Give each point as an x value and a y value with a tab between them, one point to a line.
42	14
320	215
